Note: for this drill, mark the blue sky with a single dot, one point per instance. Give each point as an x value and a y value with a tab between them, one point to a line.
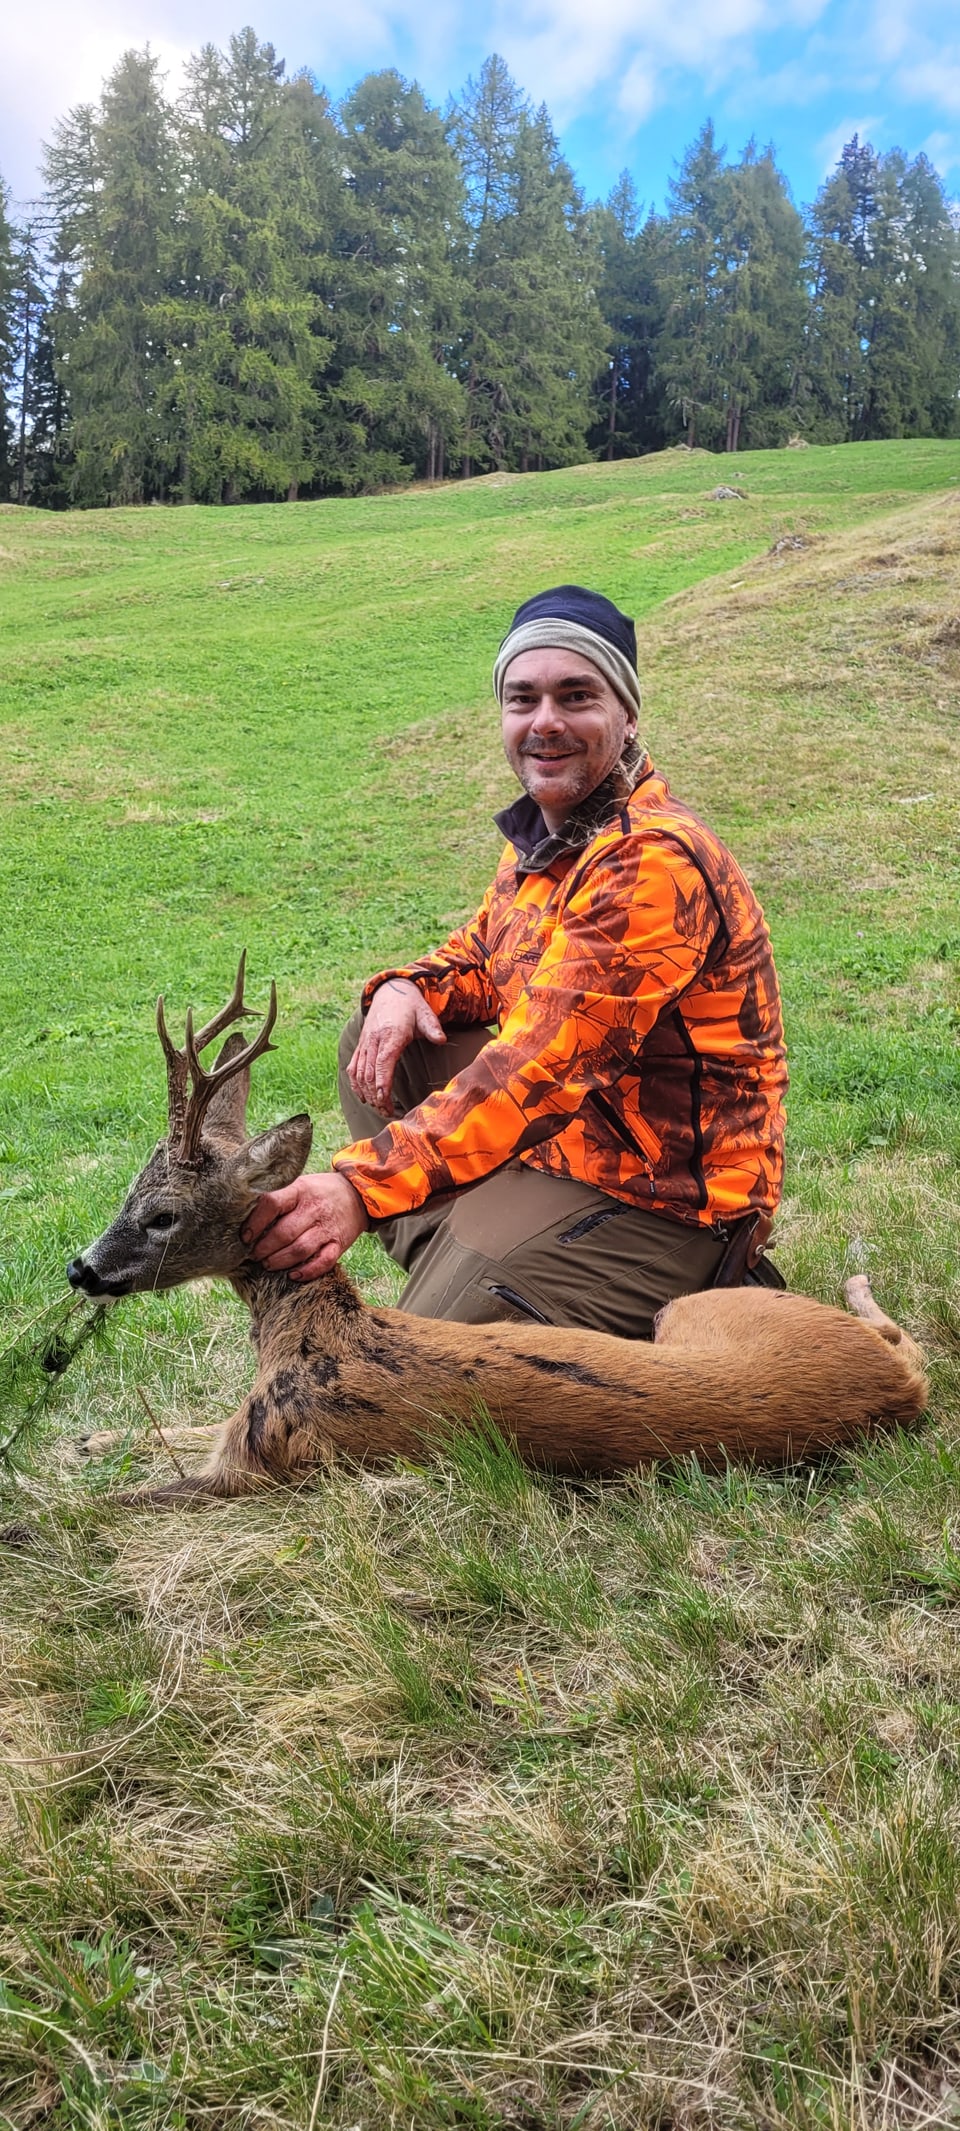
628	82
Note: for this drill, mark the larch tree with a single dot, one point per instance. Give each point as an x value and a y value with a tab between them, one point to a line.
394	288
49	460
238	315
615	233
694	273
534	339
883	337
8	338
933	235
760	302
631	414
111	178
28	308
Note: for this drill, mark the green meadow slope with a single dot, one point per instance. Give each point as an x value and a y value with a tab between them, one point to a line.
458	1799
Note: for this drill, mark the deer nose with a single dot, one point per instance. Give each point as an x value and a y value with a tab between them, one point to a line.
80	1275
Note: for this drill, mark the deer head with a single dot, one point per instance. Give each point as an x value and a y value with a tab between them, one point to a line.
182	1215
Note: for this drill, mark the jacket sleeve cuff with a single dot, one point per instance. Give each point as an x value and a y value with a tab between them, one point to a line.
383	1197
386	976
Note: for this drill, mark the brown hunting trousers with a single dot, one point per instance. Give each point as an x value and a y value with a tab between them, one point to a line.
524	1245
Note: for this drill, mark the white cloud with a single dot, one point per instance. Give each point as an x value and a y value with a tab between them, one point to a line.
801	82
614	62
57	53
943	150
935	81
637	94
562	51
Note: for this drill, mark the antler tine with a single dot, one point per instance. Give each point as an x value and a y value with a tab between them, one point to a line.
233	1011
176	1078
204	1085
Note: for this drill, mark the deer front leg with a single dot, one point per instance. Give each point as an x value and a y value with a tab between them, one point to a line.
99	1442
259	1447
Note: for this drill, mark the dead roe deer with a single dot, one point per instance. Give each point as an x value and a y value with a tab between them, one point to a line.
732	1373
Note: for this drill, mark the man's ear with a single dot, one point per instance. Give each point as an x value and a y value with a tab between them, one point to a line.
276	1157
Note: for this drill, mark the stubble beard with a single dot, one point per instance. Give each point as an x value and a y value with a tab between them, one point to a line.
578	783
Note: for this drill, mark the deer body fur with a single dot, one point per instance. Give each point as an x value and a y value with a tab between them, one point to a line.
732	1372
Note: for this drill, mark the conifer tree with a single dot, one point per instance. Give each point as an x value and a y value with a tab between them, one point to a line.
731	342
393	289
533	338
631	412
8	337
111	180
238	316
28	305
760	302
883	341
615	229
689	352
49	462
835	366
934	243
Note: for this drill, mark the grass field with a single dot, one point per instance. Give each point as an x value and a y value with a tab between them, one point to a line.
455	1798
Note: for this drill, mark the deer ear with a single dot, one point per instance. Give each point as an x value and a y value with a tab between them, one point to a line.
276	1157
226	1116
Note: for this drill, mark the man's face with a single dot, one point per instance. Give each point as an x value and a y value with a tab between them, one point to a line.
564	727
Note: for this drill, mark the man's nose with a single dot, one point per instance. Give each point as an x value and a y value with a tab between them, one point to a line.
548	717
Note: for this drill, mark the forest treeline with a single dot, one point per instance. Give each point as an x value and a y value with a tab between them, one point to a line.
251	292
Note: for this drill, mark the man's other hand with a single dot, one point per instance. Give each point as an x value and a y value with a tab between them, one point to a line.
398	1015
303	1229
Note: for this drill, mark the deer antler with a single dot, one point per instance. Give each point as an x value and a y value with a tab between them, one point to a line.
186	1113
204	1085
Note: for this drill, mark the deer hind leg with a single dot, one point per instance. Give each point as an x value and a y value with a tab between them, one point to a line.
859	1298
858	1295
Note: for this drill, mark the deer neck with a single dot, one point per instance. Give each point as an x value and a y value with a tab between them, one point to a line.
332	1298
262	1291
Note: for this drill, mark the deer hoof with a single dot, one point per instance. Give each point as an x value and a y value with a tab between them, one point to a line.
96	1444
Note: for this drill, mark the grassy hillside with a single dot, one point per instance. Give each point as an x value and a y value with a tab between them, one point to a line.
455	1799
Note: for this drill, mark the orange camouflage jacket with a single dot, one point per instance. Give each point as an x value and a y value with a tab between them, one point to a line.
638	1044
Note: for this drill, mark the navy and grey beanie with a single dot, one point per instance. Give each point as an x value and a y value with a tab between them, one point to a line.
569	618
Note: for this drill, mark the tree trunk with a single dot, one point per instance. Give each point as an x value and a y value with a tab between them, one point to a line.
612	424
24	395
440	456
465	468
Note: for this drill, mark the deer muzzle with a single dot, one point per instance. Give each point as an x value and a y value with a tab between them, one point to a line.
83	1276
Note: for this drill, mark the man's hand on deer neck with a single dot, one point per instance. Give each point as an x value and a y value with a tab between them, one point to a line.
303	1229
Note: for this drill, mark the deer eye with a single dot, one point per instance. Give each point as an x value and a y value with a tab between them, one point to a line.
160	1220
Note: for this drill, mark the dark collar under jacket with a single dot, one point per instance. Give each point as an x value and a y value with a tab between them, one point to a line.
537	848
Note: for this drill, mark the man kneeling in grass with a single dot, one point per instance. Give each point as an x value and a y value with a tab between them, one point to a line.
584	1084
